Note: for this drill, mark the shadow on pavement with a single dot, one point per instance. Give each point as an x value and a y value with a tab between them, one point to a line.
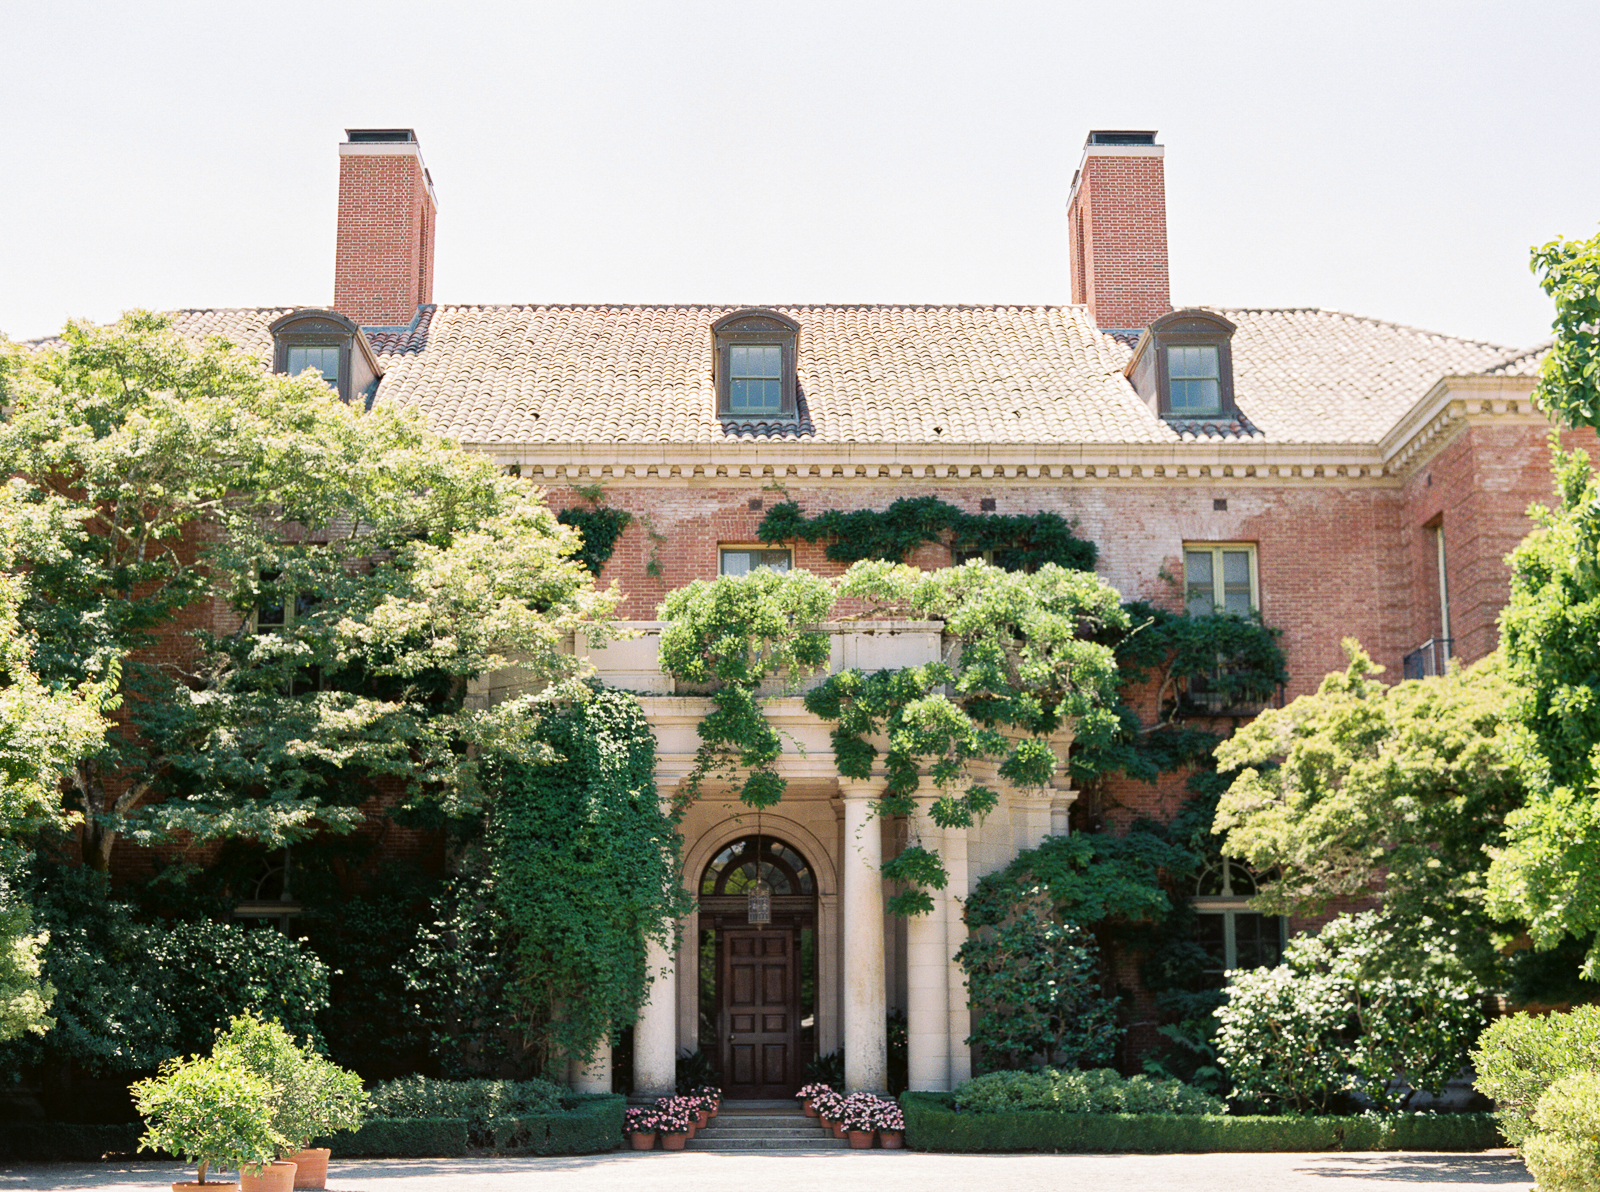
1424	1169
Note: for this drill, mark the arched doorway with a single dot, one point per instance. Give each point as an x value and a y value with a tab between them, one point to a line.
758	983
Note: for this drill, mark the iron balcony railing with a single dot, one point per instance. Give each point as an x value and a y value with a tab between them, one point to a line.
1431	658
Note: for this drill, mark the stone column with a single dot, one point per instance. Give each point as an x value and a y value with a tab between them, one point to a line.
595	1076
866	1063
927	975
1060	806
655	1037
955	926
1030	815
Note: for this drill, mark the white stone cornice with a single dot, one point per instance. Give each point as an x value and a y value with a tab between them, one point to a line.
1452	404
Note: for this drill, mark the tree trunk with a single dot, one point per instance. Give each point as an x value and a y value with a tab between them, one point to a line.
96	838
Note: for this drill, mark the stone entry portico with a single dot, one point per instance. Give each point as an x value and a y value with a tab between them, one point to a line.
867	962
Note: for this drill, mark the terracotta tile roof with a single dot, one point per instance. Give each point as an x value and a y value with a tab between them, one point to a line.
1319	376
886	374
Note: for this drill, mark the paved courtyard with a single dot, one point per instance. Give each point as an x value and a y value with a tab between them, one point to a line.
849	1171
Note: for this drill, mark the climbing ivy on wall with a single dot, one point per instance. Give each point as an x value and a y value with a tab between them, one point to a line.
600	526
730	634
1016	542
584	867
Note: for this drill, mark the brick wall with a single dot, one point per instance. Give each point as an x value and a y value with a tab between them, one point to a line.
383	264
1117	236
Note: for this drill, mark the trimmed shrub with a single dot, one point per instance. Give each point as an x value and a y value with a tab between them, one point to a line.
593	1124
933	1124
1519	1057
1564	1152
413	1138
1100	1090
490	1107
67	1142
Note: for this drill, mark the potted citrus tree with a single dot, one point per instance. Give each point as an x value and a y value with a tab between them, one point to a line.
214	1113
315	1097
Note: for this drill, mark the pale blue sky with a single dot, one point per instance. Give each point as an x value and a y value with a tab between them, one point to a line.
1393	159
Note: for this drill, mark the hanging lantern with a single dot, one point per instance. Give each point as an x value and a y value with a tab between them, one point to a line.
758	901
758	904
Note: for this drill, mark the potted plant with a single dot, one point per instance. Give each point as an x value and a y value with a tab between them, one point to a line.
857	1118
640	1124
827	1105
712	1096
674	1124
808	1095
214	1113
315	1098
891	1125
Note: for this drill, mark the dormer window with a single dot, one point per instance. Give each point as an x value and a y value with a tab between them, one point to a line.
1183	366
326	343
754	365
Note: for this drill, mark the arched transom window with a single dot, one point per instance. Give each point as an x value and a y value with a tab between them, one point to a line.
733	870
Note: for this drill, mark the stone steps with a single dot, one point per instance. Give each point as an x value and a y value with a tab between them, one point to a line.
758	1126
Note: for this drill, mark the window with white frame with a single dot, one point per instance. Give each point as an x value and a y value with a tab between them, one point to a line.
276	613
1220	577
1233	935
742	560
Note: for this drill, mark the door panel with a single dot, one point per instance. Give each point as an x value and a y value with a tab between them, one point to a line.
760	1012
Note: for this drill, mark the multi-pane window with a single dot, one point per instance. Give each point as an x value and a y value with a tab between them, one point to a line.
755	379
1233	935
1219	578
274	612
1194	385
744	560
319	358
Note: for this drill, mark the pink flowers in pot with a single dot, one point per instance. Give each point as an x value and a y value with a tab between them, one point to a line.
859	1111
888	1116
812	1091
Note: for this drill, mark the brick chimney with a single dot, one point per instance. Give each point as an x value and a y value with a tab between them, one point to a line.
383	265
1117	229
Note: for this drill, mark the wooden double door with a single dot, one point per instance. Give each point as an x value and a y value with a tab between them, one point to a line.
759	1011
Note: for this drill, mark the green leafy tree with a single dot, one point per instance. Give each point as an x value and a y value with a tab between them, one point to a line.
1034	985
190	478
313	1097
1548	872
214	1113
1364	790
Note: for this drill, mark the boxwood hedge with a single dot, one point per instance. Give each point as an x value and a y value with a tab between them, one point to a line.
932	1124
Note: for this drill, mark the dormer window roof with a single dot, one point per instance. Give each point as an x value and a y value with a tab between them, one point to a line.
753	363
327	343
1183	367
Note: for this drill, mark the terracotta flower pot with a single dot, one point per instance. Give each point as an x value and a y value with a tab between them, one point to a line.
838	1129
811	1110
673	1142
705	1119
643	1140
311	1167
860	1140
893	1140
269	1177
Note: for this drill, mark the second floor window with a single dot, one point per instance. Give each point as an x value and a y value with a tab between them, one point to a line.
1219	578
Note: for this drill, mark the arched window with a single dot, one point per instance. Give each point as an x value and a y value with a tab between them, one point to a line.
733	870
1233	935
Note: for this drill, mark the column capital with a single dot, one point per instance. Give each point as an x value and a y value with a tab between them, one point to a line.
851	789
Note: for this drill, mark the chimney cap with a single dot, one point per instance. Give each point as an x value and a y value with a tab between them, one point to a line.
1119	136
357	136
